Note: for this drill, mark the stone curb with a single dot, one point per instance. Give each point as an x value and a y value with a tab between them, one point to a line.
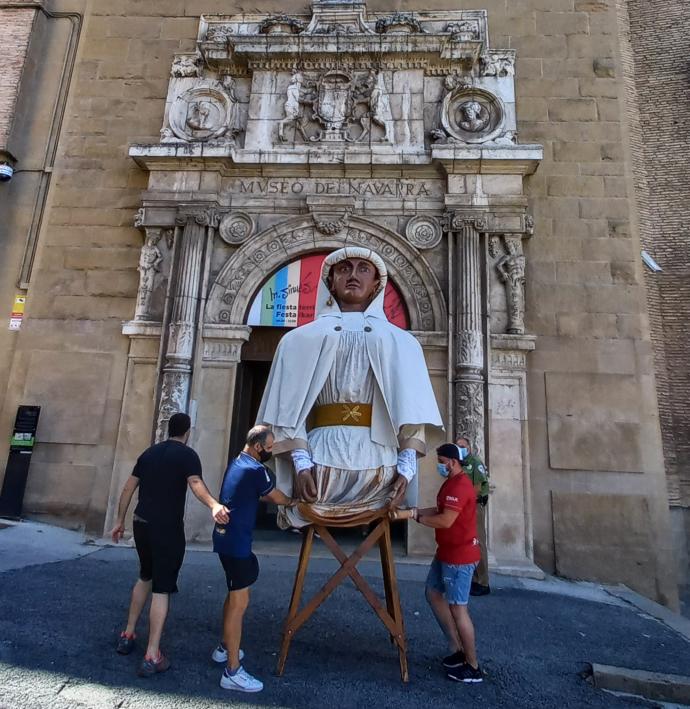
650	685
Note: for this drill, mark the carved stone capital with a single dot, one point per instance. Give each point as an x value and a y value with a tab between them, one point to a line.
509	352
223	345
200	217
456	221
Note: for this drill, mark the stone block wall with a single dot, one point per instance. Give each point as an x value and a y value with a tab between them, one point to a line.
586	297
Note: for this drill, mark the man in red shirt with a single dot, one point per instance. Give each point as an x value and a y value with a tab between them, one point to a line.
448	584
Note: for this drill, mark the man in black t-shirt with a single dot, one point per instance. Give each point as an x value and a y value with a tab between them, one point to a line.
162	475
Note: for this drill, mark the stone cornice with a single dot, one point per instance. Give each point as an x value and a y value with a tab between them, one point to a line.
487	159
454	159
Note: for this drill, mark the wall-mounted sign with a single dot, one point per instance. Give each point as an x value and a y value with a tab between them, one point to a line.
288	298
17	314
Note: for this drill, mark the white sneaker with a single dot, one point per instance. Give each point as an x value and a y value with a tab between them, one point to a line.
242	681
220	654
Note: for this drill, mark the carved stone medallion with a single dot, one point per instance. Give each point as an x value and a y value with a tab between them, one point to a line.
472	115
424	232
205	112
235	228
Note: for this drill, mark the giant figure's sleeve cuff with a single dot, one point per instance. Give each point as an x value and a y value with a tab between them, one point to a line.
301	459
407	463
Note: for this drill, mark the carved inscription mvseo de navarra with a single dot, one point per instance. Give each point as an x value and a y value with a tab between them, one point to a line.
384	188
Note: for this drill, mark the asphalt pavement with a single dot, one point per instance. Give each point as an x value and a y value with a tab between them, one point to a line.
59	622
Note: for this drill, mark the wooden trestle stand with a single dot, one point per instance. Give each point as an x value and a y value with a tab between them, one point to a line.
390	615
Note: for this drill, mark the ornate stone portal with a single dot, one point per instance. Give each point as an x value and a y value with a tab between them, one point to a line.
285	136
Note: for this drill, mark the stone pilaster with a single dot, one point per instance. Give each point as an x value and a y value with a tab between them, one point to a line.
469	366
510	523
177	370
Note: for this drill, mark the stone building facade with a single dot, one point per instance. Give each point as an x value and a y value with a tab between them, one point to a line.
491	153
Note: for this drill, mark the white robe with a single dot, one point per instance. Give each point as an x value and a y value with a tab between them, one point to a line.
341	358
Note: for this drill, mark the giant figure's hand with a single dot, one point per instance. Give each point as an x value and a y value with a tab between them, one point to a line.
305	485
398	491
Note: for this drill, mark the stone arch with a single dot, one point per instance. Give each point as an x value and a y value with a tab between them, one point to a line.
234	287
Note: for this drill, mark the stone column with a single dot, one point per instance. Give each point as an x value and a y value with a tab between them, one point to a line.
177	369
214	390
469	345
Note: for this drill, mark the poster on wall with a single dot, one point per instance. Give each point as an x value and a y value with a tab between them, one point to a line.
17	314
288	297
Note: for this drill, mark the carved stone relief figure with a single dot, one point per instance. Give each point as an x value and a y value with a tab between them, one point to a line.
380	108
185	66
511	269
331	107
292	107
498	64
207	111
150	260
469	114
473	116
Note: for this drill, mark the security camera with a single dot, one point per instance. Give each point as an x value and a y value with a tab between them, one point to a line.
6	172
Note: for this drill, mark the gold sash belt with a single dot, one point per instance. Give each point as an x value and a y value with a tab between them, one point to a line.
342	415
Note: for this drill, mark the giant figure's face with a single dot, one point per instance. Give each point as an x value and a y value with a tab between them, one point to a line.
354	283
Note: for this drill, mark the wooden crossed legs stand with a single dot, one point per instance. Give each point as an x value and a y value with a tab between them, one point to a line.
390	615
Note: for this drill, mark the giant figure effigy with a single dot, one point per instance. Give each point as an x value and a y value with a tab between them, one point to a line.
348	397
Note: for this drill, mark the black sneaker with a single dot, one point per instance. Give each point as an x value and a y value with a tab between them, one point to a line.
467	674
454	660
478	590
125	644
150	667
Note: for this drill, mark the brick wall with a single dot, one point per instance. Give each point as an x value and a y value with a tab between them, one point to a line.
16	26
660	47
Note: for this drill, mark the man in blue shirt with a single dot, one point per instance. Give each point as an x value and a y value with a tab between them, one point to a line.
246	483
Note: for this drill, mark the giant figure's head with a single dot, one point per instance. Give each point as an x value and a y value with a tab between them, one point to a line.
354	277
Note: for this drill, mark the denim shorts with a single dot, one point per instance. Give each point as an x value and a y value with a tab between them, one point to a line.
452	580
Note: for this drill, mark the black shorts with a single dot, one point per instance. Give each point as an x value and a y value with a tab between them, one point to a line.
239	573
161	553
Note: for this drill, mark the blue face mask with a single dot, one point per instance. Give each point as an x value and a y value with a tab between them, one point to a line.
463	453
442	470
